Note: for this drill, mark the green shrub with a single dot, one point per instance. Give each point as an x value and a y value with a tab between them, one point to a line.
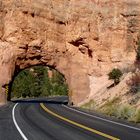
110	110
115	74
125	112
136	117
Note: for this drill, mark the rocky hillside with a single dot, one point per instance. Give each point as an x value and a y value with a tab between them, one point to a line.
82	39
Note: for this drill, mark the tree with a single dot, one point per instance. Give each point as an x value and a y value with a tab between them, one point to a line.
46	89
115	74
59	84
22	84
35	82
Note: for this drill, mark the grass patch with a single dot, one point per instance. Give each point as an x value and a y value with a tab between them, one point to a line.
113	108
110	107
90	105
125	112
136	116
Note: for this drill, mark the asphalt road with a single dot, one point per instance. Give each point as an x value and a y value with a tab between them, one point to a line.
51	120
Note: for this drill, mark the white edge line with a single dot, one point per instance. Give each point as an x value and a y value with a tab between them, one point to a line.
101	118
15	122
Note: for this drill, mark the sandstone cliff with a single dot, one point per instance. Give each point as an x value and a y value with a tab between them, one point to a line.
82	39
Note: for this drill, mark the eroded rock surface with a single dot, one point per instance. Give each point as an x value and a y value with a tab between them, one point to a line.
82	39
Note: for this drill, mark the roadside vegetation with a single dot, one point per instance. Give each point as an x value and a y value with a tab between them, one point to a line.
39	81
128	111
112	108
90	105
125	111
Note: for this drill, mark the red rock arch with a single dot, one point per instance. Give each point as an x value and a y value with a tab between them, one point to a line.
37	54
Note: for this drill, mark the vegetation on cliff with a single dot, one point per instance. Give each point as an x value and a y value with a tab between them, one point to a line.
115	74
39	81
129	109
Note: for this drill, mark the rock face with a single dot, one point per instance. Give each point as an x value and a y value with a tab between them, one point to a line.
82	39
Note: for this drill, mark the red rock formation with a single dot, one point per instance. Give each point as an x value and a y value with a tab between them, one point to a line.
82	39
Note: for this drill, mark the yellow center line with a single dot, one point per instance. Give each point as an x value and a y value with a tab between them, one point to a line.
77	124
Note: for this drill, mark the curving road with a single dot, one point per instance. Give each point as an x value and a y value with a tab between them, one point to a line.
49	119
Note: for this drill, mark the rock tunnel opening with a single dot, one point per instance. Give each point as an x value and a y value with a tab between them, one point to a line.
37	81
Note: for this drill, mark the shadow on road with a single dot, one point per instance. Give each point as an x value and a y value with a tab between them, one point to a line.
55	100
